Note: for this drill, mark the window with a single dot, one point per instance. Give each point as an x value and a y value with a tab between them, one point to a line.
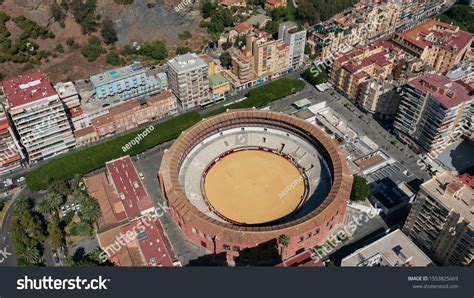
316	232
194	230
235	248
308	235
300	239
226	247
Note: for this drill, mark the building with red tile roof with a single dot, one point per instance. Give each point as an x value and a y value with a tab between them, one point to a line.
243	27
154	244
38	116
130	232
130	114
129	187
351	70
440	45
112	208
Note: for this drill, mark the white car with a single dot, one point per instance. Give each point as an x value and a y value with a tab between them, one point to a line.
141	176
21	179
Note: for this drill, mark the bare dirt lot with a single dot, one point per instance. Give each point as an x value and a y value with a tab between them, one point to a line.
134	23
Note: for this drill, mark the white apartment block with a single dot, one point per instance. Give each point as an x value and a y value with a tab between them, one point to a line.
296	39
38	116
188	77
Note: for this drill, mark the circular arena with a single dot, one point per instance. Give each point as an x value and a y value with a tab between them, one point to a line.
244	178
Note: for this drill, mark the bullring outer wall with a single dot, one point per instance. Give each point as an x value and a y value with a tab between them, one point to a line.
216	236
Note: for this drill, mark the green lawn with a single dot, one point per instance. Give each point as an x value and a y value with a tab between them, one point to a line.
318	76
263	95
86	160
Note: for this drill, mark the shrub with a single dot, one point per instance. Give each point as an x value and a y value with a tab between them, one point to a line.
113	58
93	49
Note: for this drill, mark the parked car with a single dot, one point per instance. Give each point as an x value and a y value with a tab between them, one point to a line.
21	179
141	176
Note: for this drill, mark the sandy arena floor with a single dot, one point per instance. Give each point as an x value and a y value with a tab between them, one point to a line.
254	187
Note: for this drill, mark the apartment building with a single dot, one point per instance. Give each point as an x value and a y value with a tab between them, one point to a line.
38	115
68	94
326	40
433	112
131	81
392	250
351	70
135	112
358	25
438	44
10	152
271	57
441	220
189	80
415	11
379	98
296	39
243	65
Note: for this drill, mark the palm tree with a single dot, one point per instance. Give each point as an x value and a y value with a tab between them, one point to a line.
50	203
90	209
55	199
284	241
44	207
31	255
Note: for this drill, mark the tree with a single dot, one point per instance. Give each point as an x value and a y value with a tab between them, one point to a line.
93	49
27	232
56	234
84	14
360	189
59	48
113	58
57	12
43	206
182	50
90	209
108	31
226	60
154	49
31	255
284	241
207	8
